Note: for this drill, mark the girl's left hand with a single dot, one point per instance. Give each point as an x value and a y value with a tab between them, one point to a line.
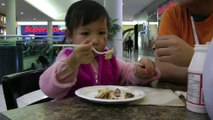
145	72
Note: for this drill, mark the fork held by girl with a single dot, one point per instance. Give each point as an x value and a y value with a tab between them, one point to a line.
87	25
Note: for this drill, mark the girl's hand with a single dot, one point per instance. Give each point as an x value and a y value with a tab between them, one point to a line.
145	72
81	55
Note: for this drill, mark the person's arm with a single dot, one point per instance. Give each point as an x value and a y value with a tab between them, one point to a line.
58	79
172	63
172	73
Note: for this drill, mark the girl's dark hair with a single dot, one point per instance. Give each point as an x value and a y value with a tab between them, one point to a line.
84	12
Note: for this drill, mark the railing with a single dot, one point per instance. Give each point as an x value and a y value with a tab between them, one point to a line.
37	47
32	45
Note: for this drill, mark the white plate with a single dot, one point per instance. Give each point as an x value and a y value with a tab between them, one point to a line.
90	92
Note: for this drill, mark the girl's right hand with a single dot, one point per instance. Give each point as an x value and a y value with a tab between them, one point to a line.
81	55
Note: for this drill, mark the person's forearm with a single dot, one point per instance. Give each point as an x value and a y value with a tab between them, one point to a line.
172	73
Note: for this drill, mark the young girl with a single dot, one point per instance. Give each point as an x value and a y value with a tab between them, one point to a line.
87	25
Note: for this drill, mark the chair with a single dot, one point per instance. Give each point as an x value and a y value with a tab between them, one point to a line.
19	84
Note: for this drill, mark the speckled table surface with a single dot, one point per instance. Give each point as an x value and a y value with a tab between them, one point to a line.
77	109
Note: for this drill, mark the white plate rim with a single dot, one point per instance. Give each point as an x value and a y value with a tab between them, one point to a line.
140	94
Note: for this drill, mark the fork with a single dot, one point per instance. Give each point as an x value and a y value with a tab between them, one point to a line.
75	45
140	64
137	63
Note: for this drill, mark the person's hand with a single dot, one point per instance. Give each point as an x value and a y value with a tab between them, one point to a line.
147	70
82	55
173	49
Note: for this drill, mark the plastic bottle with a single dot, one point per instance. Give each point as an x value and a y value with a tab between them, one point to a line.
195	101
208	81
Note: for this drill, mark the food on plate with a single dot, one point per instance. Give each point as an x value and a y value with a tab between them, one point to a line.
110	94
117	92
128	95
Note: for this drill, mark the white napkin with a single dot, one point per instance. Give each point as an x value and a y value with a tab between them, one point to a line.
156	96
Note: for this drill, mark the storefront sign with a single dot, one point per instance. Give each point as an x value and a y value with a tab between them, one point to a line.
142	28
37	30
2	19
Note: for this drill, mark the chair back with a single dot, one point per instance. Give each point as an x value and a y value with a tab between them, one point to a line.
19	84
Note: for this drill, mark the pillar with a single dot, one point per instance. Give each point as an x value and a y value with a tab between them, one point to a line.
50	32
11	17
115	11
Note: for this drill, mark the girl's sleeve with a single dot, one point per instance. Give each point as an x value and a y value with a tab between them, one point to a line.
127	74
58	79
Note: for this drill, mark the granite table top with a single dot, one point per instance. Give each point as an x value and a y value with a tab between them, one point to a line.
75	108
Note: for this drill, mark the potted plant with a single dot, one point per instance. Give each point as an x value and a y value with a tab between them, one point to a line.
114	28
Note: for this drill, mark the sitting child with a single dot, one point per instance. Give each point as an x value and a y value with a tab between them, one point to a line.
87	25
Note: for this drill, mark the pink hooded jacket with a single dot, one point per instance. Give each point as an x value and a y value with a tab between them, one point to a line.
110	72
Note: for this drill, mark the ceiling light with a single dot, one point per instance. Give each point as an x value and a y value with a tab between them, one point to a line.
61	23
22	13
52	8
34	18
3	4
153	23
32	23
129	23
58	23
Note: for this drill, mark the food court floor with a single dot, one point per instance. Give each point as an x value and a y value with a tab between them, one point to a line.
38	94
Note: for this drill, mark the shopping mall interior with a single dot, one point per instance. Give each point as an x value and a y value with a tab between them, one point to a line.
30	28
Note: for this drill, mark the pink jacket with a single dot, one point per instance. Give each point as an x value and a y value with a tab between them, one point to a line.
110	72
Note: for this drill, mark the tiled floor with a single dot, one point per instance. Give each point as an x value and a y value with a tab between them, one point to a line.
38	94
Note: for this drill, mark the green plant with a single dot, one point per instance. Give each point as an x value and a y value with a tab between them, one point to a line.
114	28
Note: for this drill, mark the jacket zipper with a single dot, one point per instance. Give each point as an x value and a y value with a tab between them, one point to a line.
96	78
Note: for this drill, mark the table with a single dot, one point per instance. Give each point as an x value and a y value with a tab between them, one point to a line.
75	108
78	109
